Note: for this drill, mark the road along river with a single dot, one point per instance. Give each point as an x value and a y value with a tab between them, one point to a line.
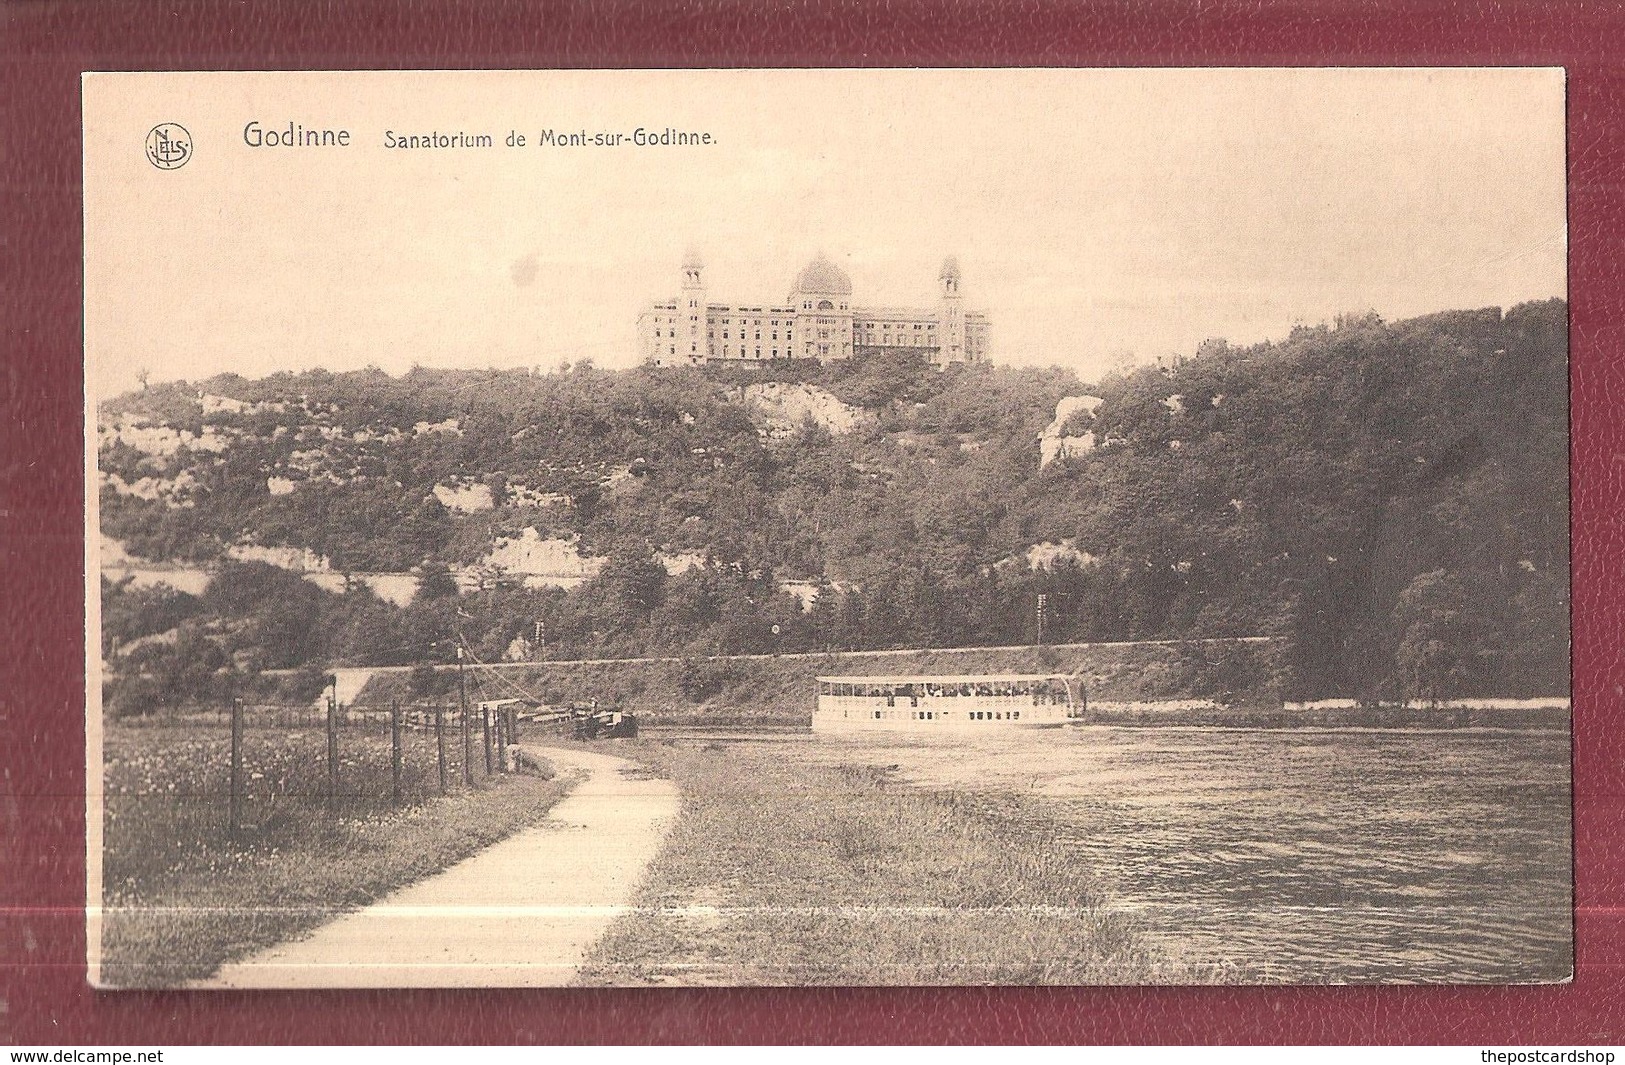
521	913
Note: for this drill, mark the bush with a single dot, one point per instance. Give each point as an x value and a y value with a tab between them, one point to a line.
702	681
426	682
131	697
304	684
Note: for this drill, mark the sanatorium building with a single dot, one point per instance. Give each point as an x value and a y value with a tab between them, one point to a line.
816	321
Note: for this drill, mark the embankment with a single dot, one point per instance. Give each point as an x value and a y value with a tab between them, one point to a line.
781	689
1332	713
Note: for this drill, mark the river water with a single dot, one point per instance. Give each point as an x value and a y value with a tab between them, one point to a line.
1297	856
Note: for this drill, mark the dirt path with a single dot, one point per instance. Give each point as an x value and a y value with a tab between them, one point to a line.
521	913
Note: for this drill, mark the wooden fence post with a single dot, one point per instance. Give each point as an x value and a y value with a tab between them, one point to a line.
395	752
440	743
485	728
468	748
332	751
468	736
236	766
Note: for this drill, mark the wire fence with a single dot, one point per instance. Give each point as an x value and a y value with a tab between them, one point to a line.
265	765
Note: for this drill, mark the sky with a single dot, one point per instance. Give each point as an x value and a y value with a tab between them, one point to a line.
1100	217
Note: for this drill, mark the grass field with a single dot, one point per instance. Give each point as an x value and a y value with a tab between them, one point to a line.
181	895
784	872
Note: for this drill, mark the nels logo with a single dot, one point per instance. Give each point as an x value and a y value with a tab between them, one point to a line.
169	146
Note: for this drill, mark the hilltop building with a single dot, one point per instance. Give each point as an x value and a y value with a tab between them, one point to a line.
816	321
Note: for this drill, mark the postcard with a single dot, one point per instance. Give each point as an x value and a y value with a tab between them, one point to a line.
827	527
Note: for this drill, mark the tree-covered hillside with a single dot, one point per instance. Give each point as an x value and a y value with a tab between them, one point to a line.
1390	500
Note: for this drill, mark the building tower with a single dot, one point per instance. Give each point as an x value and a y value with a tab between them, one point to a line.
821	299
691	311
950	315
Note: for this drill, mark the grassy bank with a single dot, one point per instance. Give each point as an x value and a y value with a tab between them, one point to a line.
782	872
1152	715
183	895
740	690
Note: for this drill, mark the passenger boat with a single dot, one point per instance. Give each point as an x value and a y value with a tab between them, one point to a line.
958	704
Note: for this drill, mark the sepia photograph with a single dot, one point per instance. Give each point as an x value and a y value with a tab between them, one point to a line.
827	527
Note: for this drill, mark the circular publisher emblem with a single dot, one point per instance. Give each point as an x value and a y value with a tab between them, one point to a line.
169	146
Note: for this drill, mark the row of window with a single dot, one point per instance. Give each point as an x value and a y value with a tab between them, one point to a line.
729	352
866	332
789	334
932	715
935	690
860	323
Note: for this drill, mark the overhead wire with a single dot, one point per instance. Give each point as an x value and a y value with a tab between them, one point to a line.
492	671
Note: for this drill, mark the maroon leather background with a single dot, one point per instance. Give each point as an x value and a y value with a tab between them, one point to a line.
45	46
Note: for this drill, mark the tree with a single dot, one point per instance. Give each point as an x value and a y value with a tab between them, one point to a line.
435	582
1433	659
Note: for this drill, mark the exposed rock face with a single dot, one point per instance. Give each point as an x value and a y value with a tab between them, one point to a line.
1052	444
464	498
174	491
676	562
530	554
298	559
159	441
778	409
1046	556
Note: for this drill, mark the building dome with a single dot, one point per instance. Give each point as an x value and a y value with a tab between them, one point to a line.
823	277
950	269
692	260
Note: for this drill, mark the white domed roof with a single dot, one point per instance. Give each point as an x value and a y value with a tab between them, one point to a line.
824	278
950	269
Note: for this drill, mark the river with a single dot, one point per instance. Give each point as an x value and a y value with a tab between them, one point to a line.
1296	856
